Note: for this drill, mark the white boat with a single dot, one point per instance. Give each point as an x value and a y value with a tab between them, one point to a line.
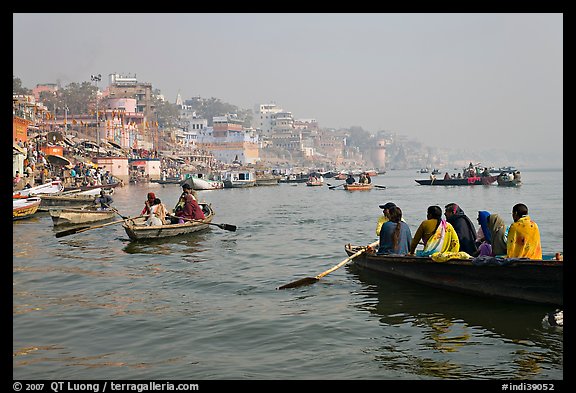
52	187
24	207
202	183
238	179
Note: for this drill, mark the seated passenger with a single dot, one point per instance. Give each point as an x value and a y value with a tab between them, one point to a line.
523	236
395	235
437	234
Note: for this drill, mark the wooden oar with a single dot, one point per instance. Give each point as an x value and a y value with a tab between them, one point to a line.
379	186
227	227
87	228
116	211
312	280
333	187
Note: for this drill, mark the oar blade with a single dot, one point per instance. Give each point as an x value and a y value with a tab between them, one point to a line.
70	231
300	282
228	227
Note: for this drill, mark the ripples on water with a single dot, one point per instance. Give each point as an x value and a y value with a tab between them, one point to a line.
98	306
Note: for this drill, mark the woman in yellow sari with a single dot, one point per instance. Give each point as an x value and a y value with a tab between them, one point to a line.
437	234
523	236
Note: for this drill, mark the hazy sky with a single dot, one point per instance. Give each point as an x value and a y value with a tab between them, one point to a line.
456	80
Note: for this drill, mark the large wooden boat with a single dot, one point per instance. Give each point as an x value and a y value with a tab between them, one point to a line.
24	208
73	198
358	186
468	181
525	280
115	182
79	216
136	229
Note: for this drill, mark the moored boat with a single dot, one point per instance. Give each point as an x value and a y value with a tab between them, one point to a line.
200	183
525	280
239	179
136	229
24	208
79	216
51	187
74	198
266	179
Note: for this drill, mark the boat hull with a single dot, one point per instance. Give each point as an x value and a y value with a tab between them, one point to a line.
137	230
24	208
358	187
79	216
532	281
202	184
471	181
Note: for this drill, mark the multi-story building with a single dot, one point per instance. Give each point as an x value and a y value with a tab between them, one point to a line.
264	119
228	141
128	87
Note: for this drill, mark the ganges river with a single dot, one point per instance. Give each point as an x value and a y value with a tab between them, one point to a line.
95	305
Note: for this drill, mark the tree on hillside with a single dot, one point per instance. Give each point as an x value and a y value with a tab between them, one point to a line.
17	87
208	108
79	98
167	113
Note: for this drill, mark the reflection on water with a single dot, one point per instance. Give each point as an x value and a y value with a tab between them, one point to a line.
205	306
194	243
435	327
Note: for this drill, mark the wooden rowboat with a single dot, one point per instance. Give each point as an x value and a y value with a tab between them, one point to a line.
136	229
79	216
525	280
358	186
24	208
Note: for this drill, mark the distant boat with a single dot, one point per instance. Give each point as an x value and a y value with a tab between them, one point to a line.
315	182
507	179
467	181
503	169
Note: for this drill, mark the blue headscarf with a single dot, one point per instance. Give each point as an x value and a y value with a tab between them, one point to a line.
483	220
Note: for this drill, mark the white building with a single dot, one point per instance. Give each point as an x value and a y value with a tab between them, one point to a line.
264	118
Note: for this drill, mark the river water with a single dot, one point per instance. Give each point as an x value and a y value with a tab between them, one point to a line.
95	305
